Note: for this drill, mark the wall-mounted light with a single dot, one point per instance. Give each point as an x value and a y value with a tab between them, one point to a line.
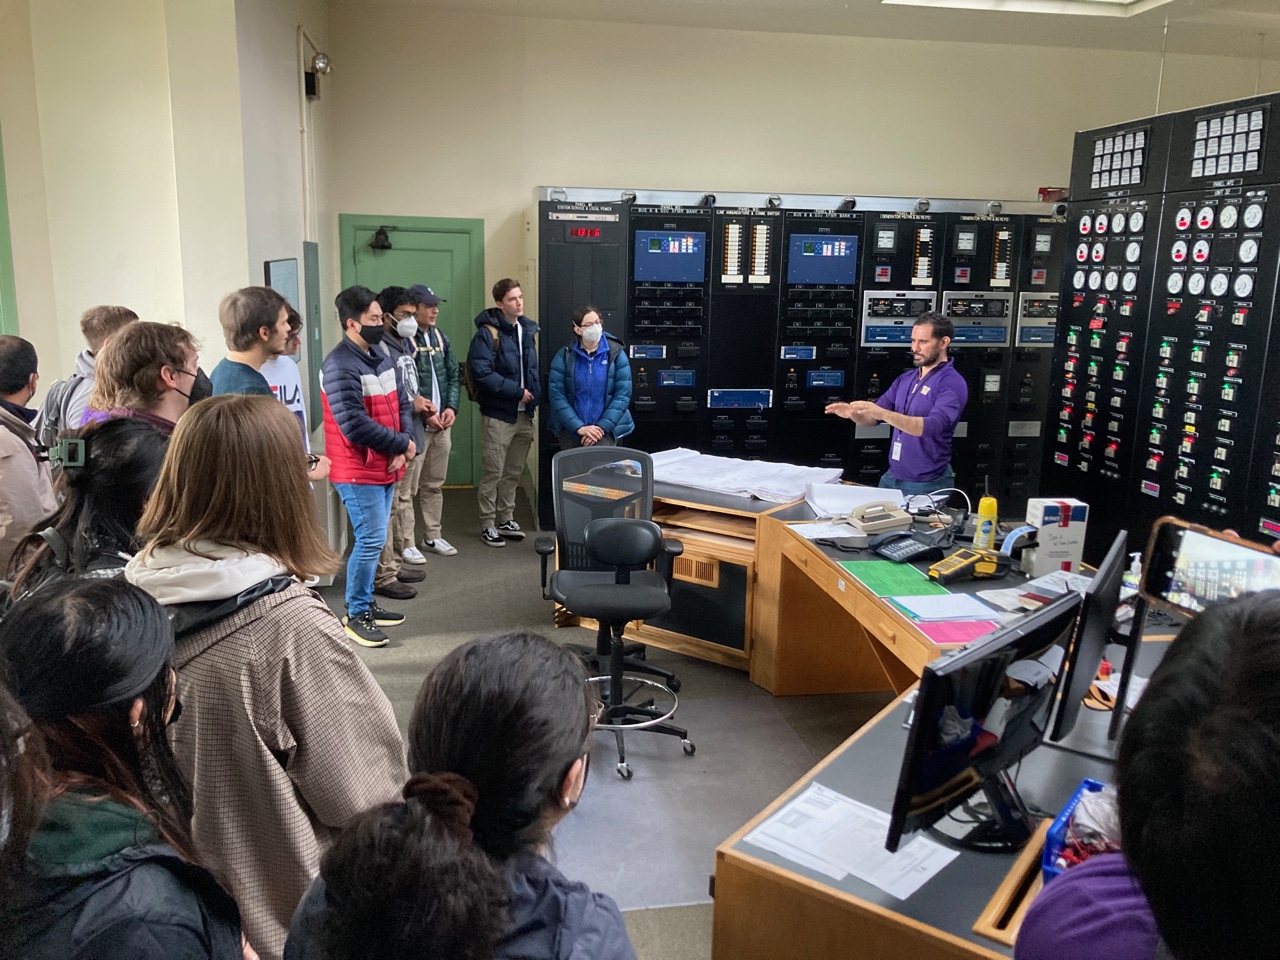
319	66
380	240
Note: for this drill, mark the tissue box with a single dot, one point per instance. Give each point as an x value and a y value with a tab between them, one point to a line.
1060	540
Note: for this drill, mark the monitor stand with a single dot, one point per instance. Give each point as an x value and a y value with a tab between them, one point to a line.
1011	824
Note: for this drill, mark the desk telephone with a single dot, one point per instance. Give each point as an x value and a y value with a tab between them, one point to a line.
903	546
882	516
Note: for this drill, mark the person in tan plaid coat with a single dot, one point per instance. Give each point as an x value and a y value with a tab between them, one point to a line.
285	735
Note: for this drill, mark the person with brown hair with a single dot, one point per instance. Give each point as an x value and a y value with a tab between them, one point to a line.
149	371
22	770
111	870
285	735
67	400
255	324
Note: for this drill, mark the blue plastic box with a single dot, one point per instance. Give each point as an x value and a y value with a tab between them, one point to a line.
1056	839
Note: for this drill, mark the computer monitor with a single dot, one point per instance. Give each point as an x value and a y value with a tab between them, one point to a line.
1089	644
670	256
822	259
979	711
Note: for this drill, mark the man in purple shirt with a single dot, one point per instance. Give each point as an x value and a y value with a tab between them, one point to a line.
923	407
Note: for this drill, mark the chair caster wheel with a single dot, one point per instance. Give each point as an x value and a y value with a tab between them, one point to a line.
674	685
689	748
624	771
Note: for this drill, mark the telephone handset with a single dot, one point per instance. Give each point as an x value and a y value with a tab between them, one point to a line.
880	516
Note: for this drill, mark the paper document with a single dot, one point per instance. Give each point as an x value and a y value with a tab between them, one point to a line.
951	606
1004	598
822	530
836	835
957	631
885	578
841	499
775	482
1111	685
1056	583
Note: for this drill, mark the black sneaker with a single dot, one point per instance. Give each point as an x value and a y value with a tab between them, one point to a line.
492	538
363	629
510	530
385	618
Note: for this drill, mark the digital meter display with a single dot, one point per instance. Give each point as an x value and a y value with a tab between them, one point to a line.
822	259
670	257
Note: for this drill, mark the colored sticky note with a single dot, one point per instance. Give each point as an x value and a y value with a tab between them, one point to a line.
956	631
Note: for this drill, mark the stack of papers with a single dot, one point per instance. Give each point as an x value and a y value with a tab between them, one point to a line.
885	578
775	482
841	499
951	606
836	835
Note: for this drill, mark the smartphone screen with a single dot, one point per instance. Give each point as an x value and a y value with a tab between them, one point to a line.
1192	570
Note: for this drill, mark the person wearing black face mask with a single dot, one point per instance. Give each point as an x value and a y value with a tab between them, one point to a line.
368	433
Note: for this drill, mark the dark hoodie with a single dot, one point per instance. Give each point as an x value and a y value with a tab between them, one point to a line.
497	377
103	884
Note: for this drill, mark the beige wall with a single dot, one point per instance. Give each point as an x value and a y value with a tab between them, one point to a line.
494	106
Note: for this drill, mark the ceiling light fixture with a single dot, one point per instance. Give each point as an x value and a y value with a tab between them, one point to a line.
1085	8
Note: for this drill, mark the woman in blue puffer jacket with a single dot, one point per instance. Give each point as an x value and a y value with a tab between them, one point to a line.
590	386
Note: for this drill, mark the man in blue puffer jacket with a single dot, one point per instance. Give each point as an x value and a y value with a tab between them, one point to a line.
590	387
504	367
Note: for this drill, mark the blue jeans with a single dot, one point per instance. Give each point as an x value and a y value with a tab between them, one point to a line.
369	507
912	487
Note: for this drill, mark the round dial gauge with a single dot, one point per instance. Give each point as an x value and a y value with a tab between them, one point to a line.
1095	279
1228	216
1248	251
1130	282
1099	252
1113	279
1079	279
1179	251
1183	220
1100	223
1218	285
1132	252
1082	252
1086	224
1204	218
1137	220
1195	284
1174	283
1252	216
1117	223
1244	285
1200	252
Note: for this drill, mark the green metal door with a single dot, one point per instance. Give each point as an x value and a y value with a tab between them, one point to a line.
446	254
8	295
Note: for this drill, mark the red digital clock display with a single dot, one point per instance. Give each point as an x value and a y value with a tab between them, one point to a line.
584	231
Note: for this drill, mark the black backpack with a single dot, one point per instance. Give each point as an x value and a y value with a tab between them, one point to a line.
468	378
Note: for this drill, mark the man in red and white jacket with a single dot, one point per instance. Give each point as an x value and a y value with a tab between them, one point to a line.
368	436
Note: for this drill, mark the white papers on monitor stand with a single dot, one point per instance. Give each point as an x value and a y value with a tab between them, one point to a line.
841	499
836	835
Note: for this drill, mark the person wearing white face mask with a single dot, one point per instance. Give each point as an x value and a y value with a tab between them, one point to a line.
590	386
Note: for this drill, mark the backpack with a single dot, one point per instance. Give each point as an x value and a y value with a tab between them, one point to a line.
51	421
468	378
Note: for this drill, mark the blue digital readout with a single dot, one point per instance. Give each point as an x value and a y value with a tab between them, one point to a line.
668	256
981	334
1036	334
822	258
797	352
676	378
648	351
898	333
739	399
825	378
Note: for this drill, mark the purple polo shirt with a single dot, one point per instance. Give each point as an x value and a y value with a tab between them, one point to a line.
1093	911
939	398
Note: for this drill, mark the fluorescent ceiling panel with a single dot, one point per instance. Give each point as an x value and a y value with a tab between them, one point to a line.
1085	8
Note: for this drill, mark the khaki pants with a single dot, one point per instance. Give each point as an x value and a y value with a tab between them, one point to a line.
505	447
435	466
389	563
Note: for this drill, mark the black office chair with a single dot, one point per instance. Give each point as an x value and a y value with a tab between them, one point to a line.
631	592
589	483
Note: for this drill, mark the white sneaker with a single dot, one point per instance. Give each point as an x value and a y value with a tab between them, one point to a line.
439	545
413	555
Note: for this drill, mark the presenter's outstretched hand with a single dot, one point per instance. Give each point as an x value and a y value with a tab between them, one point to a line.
840	409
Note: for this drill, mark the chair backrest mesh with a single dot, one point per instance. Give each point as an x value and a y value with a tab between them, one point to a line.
591	483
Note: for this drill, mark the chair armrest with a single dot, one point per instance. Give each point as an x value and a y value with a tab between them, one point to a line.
546	547
671	548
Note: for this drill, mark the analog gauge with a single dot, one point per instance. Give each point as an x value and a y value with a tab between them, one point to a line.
1204	218
1095	279
1086	224
1099	252
1179	251
1174	284
1228	216
1244	285
1253	216
1117	223
1248	251
1195	284
1079	279
1137	220
1218	285
1100	223
1082	252
1200	252
1183	220
1113	279
1132	252
1130	282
